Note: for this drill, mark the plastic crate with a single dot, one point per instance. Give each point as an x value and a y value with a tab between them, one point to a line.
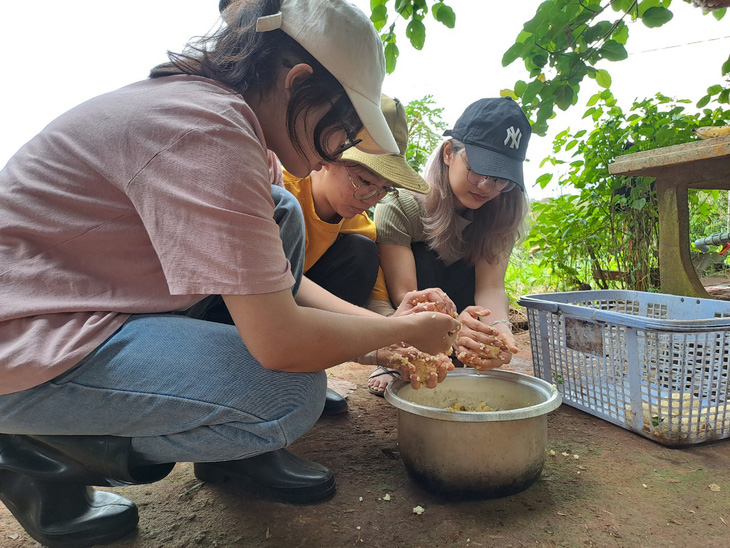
652	363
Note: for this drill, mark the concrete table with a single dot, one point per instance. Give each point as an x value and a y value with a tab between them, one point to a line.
699	165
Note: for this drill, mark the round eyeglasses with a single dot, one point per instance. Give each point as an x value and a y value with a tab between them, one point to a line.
487	181
365	190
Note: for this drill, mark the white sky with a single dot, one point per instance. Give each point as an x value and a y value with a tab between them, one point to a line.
64	52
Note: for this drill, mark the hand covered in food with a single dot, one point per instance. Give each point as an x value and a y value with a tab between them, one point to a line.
415	366
480	345
426	300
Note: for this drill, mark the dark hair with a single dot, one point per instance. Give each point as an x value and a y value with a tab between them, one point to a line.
249	62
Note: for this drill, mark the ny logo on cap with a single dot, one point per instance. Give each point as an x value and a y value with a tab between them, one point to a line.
514	136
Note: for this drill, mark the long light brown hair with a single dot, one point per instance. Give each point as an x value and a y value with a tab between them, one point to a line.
495	227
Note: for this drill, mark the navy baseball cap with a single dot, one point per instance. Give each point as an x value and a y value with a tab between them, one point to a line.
495	133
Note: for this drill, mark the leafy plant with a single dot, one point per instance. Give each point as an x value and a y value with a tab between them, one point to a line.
606	233
425	130
412	11
566	39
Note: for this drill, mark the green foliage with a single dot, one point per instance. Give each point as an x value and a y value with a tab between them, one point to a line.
525	275
425	130
606	233
413	13
564	41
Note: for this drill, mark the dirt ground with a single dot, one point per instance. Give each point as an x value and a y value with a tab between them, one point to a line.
622	491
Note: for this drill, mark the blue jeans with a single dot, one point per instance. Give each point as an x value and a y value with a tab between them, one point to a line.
184	389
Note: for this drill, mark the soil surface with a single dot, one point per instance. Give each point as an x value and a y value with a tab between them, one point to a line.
603	486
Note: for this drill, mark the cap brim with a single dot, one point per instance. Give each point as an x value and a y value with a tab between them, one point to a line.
392	167
488	162
376	136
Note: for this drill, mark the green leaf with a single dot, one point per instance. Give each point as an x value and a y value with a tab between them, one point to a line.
726	67
531	91
621	33
638	204
603	78
512	54
613	51
416	33
405	8
400	5
544	179
564	96
597	31
391	57
444	14
379	16
656	17
520	87
593	99
714	90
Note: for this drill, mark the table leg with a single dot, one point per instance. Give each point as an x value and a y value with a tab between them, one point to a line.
676	272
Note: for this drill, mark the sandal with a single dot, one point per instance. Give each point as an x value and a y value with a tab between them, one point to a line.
379	372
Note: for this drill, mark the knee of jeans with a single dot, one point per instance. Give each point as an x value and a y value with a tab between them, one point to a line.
307	405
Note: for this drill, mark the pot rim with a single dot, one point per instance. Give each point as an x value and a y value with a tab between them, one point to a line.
550	391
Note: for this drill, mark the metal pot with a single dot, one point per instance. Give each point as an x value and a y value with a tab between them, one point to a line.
474	454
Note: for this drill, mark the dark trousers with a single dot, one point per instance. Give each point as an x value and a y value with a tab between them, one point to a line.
456	280
348	269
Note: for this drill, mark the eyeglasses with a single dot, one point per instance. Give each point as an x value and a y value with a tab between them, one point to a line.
496	183
365	191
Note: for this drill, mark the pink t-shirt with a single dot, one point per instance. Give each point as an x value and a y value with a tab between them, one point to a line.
142	200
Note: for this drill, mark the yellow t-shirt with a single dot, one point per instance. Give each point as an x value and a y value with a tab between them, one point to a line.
320	235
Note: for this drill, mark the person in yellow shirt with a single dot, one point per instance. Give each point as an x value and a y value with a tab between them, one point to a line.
341	254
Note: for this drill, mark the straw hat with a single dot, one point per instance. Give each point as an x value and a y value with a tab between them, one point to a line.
392	167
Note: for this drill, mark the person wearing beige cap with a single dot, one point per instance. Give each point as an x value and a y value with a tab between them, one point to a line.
128	218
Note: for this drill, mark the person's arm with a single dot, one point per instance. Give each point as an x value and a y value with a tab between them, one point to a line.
399	268
313	295
491	294
282	335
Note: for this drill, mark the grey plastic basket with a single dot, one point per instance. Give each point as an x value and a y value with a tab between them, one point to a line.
652	363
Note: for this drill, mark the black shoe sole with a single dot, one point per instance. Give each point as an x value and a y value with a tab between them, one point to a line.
210	473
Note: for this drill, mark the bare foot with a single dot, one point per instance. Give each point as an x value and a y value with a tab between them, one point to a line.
380	378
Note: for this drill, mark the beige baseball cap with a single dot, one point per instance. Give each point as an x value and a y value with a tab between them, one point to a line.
392	167
341	37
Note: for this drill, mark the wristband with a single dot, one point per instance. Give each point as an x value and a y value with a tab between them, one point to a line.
501	321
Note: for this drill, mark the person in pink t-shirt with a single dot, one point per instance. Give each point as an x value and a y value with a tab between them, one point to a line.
124	222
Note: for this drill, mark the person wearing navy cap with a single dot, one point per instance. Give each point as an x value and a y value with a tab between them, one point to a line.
460	235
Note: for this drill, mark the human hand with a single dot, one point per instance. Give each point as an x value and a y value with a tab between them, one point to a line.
415	366
482	346
431	332
426	300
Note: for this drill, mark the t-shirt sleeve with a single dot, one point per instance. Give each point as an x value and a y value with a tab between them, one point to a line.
393	223
206	204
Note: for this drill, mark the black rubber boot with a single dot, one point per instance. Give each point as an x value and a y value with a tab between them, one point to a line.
44	483
334	404
278	474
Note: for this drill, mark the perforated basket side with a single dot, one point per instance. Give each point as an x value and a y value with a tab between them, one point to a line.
668	385
593	377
